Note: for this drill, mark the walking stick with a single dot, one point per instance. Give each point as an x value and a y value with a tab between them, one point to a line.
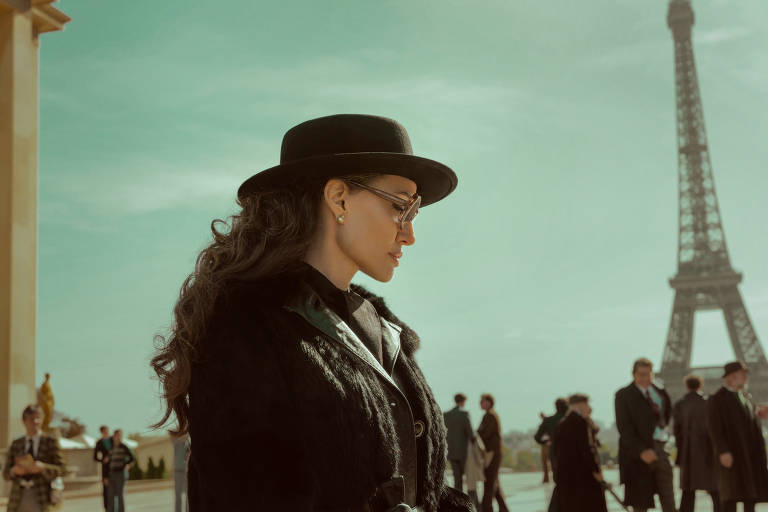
608	487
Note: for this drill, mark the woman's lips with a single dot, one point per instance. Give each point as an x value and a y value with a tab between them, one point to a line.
396	257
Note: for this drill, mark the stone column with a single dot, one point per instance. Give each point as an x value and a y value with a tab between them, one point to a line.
21	23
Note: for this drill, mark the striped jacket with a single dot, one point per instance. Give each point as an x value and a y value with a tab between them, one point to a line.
50	454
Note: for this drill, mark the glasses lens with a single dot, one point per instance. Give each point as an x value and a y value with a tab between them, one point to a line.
410	213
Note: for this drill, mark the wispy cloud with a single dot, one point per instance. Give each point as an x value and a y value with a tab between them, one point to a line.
720	35
136	180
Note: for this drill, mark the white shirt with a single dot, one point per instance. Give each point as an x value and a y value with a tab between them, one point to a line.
660	433
35	443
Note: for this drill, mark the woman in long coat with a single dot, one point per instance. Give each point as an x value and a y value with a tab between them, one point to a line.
300	391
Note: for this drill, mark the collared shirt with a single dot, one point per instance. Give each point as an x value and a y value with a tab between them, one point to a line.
35	444
660	433
742	398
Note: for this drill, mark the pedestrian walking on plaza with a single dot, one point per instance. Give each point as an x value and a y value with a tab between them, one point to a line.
33	462
474	469
459	435
120	459
737	436
276	357
694	448
545	436
490	432
578	474
643	411
101	455
180	454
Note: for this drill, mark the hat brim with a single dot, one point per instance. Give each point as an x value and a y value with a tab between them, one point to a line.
434	181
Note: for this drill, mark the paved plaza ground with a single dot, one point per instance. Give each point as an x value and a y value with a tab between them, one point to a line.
525	493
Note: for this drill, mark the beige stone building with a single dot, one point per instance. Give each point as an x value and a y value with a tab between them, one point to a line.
21	24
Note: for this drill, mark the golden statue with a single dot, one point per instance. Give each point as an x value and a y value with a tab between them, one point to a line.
45	398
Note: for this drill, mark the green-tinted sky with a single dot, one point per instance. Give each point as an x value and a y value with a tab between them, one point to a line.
544	274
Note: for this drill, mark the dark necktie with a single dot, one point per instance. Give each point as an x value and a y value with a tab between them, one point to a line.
656	411
31	448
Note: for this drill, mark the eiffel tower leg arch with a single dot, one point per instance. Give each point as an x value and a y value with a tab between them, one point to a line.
677	352
744	340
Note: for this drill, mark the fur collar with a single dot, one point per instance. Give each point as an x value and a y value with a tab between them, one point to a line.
277	291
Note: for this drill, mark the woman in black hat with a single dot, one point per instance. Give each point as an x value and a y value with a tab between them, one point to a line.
299	390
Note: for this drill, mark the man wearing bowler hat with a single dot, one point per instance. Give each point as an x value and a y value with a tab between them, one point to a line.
737	436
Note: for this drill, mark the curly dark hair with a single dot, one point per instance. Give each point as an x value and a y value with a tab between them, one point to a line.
268	236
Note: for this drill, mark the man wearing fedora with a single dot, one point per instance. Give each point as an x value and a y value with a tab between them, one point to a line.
642	415
737	436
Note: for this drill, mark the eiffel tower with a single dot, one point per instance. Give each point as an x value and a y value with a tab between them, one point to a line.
705	279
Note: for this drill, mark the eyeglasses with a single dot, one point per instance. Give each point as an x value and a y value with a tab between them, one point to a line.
410	207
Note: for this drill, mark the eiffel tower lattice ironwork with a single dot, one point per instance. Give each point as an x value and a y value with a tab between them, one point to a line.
705	279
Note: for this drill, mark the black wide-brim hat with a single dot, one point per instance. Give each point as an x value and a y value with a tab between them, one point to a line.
734	366
345	144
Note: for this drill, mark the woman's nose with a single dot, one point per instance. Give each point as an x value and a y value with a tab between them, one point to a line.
406	235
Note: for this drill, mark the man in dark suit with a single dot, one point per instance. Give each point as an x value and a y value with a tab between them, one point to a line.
490	432
577	470
737	436
694	449
643	411
459	436
101	454
33	462
545	435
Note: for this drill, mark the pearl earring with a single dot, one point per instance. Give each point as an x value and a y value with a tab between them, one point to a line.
340	219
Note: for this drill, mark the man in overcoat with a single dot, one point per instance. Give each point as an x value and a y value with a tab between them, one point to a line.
459	436
33	462
545	435
694	449
101	455
578	474
737	436
643	411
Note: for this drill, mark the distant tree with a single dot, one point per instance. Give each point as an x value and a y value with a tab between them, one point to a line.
507	457
135	473
527	461
151	469
161	472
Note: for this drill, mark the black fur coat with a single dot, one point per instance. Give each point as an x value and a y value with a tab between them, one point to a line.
287	414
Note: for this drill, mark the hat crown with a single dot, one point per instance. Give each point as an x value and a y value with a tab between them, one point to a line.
733	367
344	133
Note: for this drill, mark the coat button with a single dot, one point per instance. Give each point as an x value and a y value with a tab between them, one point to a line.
392	404
419	428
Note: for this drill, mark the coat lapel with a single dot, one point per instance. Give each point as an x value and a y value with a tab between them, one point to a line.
311	308
390	344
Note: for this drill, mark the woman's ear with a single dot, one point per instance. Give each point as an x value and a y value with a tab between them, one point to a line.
335	195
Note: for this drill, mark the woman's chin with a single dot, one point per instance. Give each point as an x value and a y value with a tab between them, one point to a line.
383	275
